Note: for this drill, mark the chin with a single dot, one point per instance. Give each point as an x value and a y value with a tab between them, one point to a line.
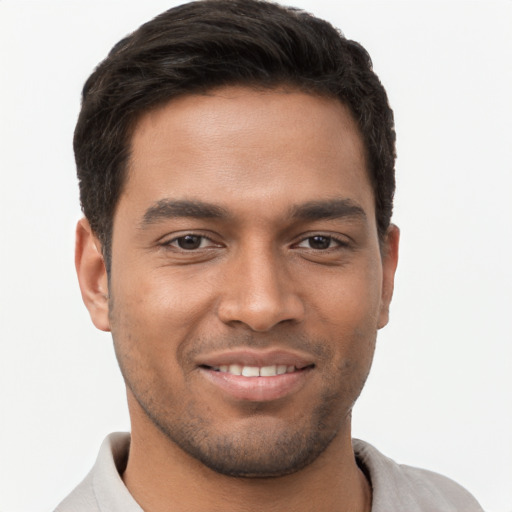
259	446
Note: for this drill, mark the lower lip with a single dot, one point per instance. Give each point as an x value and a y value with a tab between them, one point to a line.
257	389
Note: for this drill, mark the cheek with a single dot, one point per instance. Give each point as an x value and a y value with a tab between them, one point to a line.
350	298
347	314
153	318
165	299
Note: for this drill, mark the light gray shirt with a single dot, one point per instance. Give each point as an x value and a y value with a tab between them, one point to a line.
395	487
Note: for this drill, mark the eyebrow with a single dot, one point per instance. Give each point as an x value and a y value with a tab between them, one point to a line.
329	209
310	211
168	209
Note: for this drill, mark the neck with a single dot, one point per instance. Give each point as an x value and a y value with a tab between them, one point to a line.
161	477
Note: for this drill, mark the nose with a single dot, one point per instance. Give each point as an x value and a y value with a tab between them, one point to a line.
259	292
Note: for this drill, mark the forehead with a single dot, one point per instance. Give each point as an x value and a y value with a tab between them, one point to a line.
237	146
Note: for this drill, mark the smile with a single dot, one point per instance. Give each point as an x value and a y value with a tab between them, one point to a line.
255	371
256	376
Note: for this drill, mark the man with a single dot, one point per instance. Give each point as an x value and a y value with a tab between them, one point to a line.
236	167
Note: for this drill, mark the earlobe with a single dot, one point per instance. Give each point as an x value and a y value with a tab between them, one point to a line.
389	264
92	275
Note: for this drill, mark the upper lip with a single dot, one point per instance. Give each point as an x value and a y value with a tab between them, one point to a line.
250	357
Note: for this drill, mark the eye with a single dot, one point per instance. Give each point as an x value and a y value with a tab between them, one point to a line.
319	242
191	242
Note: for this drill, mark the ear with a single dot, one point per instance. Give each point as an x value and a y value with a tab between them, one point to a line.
389	262
92	274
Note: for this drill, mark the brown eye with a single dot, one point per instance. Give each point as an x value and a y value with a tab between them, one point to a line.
189	242
319	242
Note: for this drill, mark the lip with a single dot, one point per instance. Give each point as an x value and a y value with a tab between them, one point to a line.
257	389
248	357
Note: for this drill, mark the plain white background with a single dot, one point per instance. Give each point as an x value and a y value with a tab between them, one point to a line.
440	392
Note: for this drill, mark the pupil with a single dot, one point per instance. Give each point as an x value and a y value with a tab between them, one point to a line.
189	242
320	242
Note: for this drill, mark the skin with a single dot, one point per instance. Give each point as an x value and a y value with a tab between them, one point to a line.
254	279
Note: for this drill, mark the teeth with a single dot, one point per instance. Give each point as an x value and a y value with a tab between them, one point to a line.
235	369
255	371
251	371
268	371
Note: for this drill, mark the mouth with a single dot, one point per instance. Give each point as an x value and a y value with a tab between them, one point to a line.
256	371
255	376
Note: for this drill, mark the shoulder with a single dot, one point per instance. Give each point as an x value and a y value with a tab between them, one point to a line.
81	499
103	490
399	487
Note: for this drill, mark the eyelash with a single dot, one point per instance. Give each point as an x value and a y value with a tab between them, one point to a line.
339	243
174	243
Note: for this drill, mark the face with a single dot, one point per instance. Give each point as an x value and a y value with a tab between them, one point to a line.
247	282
